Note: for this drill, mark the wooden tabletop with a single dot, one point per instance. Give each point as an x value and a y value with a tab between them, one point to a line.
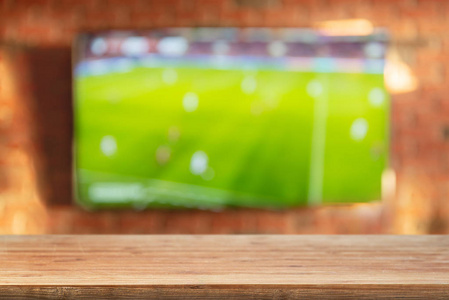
231	266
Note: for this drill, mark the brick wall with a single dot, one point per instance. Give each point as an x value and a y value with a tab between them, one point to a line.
35	115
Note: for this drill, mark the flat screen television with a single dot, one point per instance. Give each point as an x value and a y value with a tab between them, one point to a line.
216	117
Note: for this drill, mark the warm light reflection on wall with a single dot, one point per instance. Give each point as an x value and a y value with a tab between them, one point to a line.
6	88
412	209
21	211
346	27
388	184
399	78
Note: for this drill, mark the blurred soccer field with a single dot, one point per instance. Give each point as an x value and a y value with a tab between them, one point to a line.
209	138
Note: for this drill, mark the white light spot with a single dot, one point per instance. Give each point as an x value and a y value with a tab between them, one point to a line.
173	46
277	49
199	162
376	97
374	50
108	145
135	45
163	154
190	102
209	174
249	85
220	47
99	46
314	88
169	76
359	128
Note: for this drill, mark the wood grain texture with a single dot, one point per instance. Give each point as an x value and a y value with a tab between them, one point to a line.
237	266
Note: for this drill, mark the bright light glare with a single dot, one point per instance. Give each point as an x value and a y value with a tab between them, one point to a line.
199	162
399	78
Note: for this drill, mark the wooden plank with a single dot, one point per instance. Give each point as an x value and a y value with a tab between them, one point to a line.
237	266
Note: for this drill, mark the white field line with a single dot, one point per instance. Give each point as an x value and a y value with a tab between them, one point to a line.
315	193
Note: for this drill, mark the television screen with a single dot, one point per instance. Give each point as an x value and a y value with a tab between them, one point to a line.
216	117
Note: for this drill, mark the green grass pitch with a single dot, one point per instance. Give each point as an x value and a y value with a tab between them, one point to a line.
209	138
